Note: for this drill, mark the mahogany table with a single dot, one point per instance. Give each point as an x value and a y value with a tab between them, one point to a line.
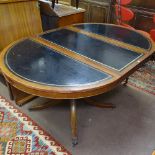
76	61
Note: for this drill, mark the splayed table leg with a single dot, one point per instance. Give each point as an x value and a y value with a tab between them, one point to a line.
74	122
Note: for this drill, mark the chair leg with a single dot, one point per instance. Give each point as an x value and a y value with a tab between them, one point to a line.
74	122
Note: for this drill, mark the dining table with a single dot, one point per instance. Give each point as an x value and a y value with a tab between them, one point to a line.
75	62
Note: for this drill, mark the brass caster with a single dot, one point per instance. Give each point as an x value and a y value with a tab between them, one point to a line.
74	141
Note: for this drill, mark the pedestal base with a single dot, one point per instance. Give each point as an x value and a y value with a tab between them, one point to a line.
73	113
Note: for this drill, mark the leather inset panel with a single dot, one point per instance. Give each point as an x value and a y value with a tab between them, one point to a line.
35	62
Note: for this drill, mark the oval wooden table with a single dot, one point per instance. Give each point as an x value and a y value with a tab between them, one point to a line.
76	61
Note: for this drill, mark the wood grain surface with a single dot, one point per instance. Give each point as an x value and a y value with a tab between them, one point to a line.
18	20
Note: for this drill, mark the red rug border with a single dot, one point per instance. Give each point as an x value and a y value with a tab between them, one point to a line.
45	133
139	88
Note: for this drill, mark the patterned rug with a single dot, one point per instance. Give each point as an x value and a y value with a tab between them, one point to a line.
144	78
19	135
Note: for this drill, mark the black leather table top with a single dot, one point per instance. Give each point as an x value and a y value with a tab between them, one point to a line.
118	33
38	63
102	52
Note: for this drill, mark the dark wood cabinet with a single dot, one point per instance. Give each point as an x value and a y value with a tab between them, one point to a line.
149	4
143	14
85	6
143	20
99	13
60	16
96	11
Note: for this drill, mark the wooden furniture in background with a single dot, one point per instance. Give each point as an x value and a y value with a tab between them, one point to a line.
123	15
18	19
66	2
143	10
152	31
61	15
96	10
